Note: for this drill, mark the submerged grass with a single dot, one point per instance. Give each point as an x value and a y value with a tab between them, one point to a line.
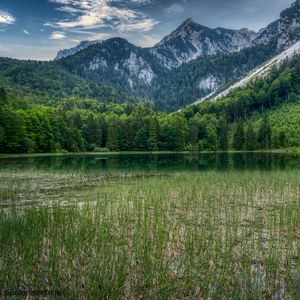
117	235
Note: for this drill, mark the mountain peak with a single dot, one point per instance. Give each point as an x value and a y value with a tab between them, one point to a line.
188	21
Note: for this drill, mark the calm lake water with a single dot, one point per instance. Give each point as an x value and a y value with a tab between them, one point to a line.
154	162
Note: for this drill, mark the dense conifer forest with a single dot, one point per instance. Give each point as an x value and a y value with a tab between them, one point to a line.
263	115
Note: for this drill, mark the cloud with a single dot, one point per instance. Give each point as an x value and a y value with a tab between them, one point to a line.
99	37
143	25
6	18
57	35
174	9
95	14
26	32
150	40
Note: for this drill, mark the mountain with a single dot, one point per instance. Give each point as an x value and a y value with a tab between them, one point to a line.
81	46
289	26
116	62
188	42
285	30
191	40
190	63
258	72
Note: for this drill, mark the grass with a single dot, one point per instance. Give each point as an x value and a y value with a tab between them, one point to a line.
137	235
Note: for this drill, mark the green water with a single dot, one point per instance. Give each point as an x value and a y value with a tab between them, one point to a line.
154	162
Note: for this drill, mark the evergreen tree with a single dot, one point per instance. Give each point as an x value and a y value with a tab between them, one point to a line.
193	131
92	133
153	134
264	138
141	139
282	139
250	138
112	136
104	130
179	133
3	96
239	137
223	134
212	139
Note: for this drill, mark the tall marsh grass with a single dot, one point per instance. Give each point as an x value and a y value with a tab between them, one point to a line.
189	235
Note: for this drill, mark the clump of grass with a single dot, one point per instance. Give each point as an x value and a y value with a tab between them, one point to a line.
218	235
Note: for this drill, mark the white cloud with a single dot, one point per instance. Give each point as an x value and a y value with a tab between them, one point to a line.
142	25
150	40
26	32
6	18
99	37
57	35
95	14
174	9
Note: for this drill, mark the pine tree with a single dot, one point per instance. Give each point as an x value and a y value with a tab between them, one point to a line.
112	136
223	135
193	134
250	138
239	137
104	130
282	139
212	139
92	133
153	134
179	133
3	95
264	138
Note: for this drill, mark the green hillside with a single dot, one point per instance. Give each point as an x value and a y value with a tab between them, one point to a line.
261	116
51	82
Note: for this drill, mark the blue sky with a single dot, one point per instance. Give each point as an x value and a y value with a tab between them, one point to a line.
37	29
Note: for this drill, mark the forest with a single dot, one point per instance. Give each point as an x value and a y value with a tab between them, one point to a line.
250	118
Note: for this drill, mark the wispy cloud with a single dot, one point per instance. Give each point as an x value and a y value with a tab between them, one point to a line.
26	32
174	8
6	18
95	14
57	35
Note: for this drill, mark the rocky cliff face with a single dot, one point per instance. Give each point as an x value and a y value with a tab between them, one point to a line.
191	40
285	31
289	26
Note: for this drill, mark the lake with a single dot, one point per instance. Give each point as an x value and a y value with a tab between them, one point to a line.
154	162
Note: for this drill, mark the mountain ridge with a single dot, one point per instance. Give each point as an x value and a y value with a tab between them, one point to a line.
188	64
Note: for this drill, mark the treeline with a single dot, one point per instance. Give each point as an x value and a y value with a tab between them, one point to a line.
238	122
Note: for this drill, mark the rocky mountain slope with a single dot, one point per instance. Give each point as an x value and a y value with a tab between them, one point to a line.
260	71
285	30
191	41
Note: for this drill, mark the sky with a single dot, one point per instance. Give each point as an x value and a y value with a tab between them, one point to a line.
38	29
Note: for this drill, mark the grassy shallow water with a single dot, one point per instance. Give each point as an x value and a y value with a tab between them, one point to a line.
111	230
